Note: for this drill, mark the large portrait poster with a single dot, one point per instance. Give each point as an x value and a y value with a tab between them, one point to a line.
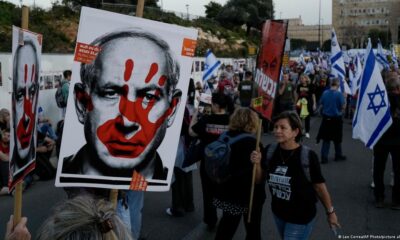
126	102
26	55
269	64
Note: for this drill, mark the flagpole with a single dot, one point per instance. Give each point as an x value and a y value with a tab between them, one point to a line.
319	25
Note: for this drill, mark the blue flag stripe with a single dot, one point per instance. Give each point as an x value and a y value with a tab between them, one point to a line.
368	70
340	76
340	70
210	70
336	57
381	59
208	53
379	128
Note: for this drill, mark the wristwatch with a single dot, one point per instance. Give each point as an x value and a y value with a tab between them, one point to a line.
330	210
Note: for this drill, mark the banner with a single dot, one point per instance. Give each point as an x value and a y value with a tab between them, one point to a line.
126	103
26	55
269	64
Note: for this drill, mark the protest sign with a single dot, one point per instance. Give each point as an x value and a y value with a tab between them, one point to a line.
26	55
126	102
269	66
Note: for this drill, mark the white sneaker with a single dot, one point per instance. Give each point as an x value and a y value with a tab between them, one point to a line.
372	185
307	135
4	191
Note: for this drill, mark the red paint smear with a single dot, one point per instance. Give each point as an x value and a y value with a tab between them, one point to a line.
26	72
27	121
112	133
162	80
85	99
33	73
128	69
153	70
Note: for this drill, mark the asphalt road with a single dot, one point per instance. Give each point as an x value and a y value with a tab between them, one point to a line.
347	181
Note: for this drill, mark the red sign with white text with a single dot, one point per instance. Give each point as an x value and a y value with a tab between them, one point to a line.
269	64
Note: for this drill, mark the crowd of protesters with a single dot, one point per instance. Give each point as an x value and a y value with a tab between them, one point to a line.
290	169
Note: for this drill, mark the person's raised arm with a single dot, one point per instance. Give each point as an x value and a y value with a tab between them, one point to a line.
192	123
282	87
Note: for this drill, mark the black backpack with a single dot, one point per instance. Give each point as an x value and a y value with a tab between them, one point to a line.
217	156
61	102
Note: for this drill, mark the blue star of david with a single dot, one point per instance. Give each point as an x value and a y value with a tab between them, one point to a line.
372	95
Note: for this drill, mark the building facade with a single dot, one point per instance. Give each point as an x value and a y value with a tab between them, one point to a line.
310	33
354	19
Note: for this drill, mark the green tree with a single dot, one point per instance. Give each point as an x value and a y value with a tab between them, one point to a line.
383	36
212	9
79	3
98	3
249	12
326	46
298	44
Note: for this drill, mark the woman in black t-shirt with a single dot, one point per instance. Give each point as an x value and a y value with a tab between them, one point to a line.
295	184
208	128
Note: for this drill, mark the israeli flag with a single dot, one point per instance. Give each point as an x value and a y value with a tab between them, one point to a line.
211	65
355	77
381	57
337	64
372	117
394	59
301	60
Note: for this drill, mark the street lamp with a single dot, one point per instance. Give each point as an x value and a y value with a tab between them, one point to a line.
187	11
319	24
387	33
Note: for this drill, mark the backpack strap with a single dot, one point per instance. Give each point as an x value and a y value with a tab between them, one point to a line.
270	152
232	140
305	161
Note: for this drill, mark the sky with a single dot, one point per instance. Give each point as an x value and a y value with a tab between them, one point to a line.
307	9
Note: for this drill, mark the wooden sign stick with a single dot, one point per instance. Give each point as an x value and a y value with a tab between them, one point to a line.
139	8
18	186
114	197
253	180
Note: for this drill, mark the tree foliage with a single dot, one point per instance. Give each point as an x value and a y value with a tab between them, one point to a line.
249	12
79	3
98	3
376	35
59	26
212	9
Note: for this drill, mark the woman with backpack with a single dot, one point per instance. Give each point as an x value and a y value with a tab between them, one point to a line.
232	195
295	180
